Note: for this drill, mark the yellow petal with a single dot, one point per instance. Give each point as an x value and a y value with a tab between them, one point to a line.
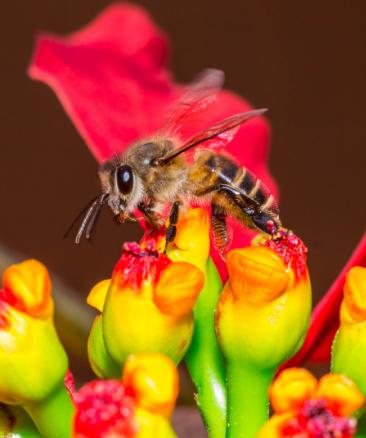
97	295
154	380
192	241
353	308
151	425
30	284
273	427
341	394
291	388
178	288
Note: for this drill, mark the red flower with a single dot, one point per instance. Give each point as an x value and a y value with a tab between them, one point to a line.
104	409
112	79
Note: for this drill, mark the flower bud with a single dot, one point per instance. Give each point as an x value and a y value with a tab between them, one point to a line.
261	320
349	346
149	304
291	388
304	407
264	309
154	381
33	363
28	286
100	360
353	309
342	395
135	407
32	360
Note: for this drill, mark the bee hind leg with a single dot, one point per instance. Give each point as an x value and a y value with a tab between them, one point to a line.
261	220
220	233
172	227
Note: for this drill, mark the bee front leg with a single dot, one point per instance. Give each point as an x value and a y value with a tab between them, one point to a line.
173	219
150	215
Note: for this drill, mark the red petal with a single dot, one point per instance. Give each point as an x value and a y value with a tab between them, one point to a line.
69	382
325	318
104	409
112	81
110	77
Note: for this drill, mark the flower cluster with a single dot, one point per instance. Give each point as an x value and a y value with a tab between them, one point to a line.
166	303
138	405
305	407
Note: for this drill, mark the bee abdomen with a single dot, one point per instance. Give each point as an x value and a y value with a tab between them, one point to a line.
256	190
228	172
225	169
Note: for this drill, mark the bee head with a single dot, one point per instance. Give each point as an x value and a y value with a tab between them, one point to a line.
123	186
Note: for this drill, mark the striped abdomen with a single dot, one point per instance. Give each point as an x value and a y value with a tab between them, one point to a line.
251	191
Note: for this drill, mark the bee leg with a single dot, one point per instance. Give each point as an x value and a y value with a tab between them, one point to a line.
221	237
172	229
150	215
260	219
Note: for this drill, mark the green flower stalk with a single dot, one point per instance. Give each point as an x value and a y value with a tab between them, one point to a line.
204	358
261	321
33	362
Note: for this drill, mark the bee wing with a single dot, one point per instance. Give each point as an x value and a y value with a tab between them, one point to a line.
199	95
217	136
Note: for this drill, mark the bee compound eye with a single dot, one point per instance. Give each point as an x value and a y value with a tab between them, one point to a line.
125	179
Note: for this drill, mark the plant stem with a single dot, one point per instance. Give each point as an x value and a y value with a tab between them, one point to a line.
53	415
361	425
248	404
204	359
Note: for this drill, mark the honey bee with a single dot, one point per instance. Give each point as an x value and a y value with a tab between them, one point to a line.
159	172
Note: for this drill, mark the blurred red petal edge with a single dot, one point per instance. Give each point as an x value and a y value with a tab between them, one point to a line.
69	383
112	80
325	317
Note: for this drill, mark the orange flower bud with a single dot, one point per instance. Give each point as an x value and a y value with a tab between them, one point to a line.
149	304
29	287
291	388
302	405
353	308
349	345
264	309
257	274
153	379
342	395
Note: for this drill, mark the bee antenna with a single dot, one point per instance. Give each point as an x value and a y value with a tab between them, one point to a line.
94	216
90	217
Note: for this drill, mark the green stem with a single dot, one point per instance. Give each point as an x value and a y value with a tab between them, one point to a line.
204	359
53	416
248	404
361	425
